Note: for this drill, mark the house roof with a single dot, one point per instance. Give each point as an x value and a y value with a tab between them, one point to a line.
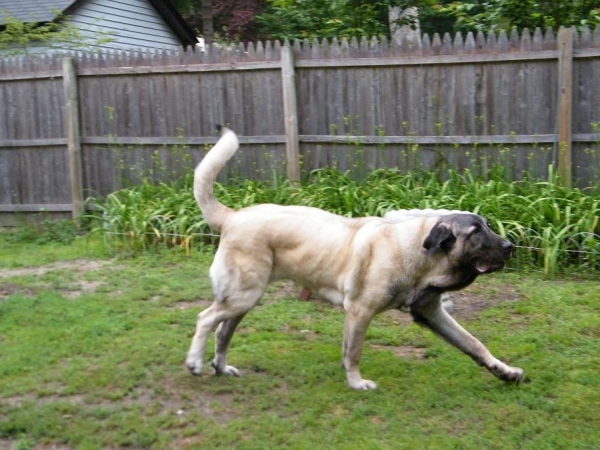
46	11
33	10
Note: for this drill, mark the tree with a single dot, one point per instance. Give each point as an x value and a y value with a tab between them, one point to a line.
296	19
19	37
252	20
490	15
231	19
235	19
208	29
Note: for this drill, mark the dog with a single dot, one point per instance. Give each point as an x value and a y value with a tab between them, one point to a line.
405	260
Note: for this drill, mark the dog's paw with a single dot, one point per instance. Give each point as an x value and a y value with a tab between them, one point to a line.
194	366
363	385
516	375
510	374
227	370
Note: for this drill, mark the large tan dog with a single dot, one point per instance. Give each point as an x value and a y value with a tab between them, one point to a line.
366	265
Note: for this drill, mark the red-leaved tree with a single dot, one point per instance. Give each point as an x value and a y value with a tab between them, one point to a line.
234	18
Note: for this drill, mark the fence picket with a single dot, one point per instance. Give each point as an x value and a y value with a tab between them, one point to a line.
458	45
525	40
549	39
538	40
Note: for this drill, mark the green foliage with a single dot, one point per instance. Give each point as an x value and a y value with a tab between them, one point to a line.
291	19
20	37
47	231
493	15
298	19
556	228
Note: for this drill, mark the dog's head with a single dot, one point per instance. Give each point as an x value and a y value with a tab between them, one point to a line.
469	243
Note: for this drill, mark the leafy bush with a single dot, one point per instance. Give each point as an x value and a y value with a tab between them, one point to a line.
553	227
60	231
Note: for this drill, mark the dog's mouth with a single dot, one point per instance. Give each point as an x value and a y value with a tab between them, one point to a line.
486	267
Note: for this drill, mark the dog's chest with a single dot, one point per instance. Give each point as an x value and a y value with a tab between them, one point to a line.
399	295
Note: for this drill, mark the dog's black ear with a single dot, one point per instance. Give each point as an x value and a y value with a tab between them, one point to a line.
440	237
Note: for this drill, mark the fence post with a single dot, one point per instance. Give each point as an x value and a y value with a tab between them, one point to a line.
565	105
290	112
73	136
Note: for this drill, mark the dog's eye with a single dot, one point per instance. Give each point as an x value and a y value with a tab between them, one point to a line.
476	229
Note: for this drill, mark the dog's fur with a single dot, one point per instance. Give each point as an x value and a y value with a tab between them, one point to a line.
407	259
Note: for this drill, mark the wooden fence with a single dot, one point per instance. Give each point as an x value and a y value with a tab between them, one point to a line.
89	124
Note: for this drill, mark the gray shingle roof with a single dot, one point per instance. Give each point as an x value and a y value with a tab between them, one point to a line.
47	10
33	10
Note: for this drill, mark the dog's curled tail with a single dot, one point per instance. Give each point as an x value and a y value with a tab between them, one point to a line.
213	211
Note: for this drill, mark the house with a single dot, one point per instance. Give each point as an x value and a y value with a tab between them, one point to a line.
121	23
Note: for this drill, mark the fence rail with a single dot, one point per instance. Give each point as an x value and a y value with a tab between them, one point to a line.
522	100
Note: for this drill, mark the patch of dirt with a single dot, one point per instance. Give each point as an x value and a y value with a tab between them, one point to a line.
81	287
469	302
74	291
79	265
466	304
173	400
403	351
198	304
7	289
7	444
399	317
280	289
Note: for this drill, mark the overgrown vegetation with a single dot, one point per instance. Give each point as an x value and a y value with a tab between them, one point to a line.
554	227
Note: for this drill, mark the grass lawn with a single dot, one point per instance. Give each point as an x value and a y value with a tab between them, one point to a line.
92	350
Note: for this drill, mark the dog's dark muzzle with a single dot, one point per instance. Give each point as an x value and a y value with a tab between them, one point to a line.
507	247
496	260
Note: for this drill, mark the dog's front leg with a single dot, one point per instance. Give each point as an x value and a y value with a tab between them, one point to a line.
355	329
435	317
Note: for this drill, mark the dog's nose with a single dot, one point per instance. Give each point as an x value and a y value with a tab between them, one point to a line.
507	246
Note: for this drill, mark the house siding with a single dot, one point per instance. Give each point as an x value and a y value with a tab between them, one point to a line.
129	23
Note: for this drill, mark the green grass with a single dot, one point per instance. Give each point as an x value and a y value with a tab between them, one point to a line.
91	357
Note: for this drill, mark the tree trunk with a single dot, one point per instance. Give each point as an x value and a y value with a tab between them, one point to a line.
207	21
400	30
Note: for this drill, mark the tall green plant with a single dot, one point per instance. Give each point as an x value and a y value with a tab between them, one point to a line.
554	228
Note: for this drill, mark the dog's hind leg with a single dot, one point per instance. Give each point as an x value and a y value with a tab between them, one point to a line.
207	321
432	315
223	337
229	310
